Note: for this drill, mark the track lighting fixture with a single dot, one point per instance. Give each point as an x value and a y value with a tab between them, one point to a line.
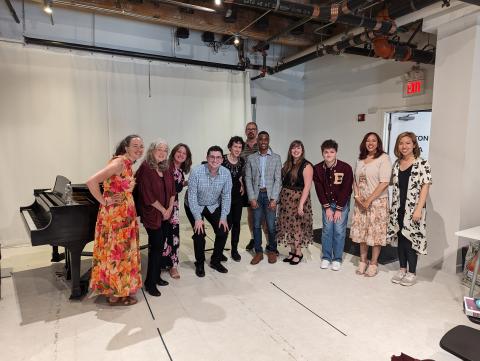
236	40
218	2
47	7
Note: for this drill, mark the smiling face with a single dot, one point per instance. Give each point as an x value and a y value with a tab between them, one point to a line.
134	150
236	149
160	153
329	155
405	147
180	155
296	151
371	144
263	142
214	160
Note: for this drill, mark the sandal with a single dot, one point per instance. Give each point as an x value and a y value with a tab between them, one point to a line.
122	301
299	258
372	270
174	273
362	266
290	257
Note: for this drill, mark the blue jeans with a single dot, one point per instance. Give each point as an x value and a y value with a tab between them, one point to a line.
333	235
258	213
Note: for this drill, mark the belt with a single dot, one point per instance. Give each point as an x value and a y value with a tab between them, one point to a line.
263	189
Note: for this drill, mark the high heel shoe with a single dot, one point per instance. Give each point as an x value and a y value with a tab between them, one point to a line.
292	262
290	257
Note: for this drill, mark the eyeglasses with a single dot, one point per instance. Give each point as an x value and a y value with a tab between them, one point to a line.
219	157
252	129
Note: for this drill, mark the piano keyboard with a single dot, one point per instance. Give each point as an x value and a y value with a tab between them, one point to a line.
29	221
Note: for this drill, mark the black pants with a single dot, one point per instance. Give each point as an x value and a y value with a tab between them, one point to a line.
406	254
156	245
199	239
234	218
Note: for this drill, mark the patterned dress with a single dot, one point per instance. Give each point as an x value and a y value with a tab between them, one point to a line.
292	228
173	241
116	255
370	226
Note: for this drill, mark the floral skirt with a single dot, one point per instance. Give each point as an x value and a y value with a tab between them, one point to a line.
370	226
292	228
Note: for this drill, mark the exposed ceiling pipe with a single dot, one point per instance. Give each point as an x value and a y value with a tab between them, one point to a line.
12	11
245	27
385	50
340	13
402	18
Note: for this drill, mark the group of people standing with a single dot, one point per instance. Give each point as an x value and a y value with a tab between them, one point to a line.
277	198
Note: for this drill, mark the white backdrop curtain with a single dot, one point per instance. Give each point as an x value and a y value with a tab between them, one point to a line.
63	112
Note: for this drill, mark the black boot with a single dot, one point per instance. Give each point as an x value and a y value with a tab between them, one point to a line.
199	269
235	255
250	245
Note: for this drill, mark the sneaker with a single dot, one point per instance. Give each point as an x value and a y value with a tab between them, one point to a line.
409	280
325	264
336	266
398	276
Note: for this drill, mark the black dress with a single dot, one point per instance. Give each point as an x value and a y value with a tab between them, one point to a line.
235	215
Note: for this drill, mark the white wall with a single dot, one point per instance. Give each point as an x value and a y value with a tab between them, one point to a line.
63	113
280	108
455	148
340	87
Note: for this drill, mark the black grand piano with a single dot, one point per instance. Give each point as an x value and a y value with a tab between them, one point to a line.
58	219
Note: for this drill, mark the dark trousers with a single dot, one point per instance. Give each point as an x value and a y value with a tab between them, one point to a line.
234	218
406	254
156	244
199	239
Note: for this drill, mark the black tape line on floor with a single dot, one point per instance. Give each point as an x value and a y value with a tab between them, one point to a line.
158	330
164	344
301	304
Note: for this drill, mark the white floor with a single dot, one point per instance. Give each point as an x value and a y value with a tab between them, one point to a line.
263	312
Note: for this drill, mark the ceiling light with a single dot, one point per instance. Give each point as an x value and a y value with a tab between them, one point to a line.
218	2
47	7
236	41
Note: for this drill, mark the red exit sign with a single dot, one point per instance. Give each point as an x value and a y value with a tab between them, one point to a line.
413	87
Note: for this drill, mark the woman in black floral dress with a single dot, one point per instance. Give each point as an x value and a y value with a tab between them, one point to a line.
180	161
295	219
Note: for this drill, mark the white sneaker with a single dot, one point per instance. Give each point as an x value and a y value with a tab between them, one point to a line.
325	264
398	276
409	280
336	266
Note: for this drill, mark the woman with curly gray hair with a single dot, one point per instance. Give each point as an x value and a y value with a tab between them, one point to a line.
156	188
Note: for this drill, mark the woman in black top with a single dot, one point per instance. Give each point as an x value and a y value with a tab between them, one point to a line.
294	222
235	164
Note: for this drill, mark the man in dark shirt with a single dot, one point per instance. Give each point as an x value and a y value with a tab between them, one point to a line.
333	182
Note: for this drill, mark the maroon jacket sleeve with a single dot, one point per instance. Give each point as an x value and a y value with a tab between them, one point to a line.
345	190
319	185
145	186
171	189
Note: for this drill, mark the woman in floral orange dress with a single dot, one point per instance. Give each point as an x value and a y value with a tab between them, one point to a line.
116	255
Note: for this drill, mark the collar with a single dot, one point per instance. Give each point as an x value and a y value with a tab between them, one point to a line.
207	171
269	152
333	165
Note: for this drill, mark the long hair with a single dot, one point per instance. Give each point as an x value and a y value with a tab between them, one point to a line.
185	166
290	166
150	157
124	143
363	146
416	147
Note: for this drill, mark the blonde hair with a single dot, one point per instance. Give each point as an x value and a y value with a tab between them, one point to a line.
150	158
416	147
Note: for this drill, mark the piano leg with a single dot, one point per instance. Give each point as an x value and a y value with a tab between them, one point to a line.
56	257
75	255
